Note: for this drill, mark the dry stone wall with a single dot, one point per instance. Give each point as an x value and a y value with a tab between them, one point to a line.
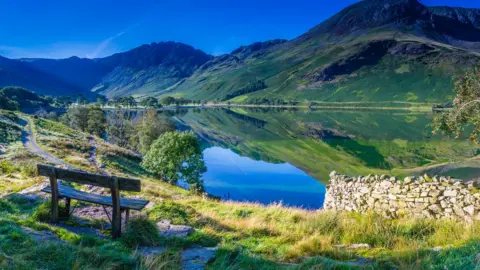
424	196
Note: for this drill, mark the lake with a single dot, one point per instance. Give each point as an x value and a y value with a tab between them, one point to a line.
285	155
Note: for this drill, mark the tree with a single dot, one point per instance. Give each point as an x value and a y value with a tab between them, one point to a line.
78	117
466	107
150	102
120	129
97	122
148	128
8	104
177	156
167	100
81	100
102	100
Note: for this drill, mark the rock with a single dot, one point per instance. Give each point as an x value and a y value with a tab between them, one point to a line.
469	209
168	230
359	246
407	180
42	236
197	258
333	174
450	193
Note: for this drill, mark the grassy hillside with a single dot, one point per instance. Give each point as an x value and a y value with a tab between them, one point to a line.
248	235
371	68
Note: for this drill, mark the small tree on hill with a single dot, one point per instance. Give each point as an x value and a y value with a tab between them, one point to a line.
177	156
466	107
148	128
97	122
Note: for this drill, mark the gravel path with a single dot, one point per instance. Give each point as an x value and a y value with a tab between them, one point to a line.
28	140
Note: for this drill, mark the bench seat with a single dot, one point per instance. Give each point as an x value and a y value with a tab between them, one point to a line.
68	192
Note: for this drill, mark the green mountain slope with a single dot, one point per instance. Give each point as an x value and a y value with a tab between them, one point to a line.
390	50
149	69
374	50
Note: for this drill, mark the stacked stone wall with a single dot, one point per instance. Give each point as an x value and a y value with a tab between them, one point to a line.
424	196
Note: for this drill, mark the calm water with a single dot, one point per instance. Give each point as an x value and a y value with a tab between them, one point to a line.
234	177
278	155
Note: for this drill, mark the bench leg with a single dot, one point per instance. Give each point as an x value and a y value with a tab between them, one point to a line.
116	211
67	206
127	217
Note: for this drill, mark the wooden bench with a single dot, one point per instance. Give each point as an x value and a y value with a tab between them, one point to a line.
115	184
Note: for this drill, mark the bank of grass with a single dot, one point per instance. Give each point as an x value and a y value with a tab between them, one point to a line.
250	234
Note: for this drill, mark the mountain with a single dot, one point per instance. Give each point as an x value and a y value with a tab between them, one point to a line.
374	50
149	69
18	73
371	51
80	72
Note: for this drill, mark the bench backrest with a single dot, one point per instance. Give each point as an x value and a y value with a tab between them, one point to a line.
98	180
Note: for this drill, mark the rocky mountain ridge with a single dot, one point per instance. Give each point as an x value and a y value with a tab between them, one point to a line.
402	37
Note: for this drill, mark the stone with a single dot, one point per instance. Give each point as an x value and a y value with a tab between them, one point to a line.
332	174
407	180
450	193
168	230
469	209
42	236
359	246
197	258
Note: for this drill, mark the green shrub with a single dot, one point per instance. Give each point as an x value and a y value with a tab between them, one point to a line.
43	212
7	207
7	167
141	231
177	156
29	170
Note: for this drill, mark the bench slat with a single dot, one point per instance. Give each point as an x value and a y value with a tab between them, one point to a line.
67	192
98	180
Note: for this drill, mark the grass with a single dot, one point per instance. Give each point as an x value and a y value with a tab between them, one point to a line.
248	235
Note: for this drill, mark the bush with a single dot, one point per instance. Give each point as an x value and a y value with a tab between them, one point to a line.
177	156
141	231
7	167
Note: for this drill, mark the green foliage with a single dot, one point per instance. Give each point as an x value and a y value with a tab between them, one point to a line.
97	122
147	129
252	87
89	119
120	129
78	117
13	98
7	167
102	100
43	212
8	104
466	107
150	102
141	231
167	100
177	156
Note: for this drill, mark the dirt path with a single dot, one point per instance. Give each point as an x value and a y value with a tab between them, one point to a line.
93	156
30	143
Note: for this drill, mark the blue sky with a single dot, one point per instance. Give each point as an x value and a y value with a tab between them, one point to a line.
59	28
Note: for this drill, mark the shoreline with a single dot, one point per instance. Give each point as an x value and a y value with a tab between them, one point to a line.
424	108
